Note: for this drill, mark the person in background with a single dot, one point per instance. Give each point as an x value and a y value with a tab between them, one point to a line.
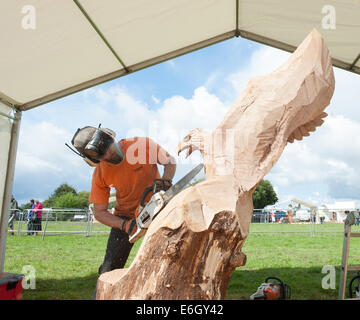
334	218
13	210
30	218
14	204
289	214
38	213
322	216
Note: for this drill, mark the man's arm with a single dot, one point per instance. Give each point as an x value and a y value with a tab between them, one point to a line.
165	159
169	168
102	214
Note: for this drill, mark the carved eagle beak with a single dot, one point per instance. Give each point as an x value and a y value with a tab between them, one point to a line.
194	140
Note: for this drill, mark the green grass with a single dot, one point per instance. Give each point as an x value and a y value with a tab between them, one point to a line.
296	258
64	226
66	265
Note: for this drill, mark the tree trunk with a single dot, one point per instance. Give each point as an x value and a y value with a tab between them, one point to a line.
190	250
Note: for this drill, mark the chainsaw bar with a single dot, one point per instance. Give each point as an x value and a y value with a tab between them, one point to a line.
178	186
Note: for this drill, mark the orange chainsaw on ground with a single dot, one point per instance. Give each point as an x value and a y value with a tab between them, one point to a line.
146	212
277	290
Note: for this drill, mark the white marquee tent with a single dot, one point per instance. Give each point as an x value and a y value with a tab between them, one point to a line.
339	208
53	48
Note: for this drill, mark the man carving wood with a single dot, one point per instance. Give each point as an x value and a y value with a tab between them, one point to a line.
192	247
129	166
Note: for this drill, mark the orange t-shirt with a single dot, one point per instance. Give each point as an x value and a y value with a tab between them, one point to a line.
131	177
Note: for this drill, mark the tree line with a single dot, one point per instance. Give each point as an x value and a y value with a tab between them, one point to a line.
65	196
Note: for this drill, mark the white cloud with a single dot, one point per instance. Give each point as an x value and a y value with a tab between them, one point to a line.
43	156
347	95
171	63
156	100
169	122
41	141
329	156
43	161
32	163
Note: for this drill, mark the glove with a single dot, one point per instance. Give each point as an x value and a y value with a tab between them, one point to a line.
161	184
128	225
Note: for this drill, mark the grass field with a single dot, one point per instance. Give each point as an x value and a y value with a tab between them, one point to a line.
53	227
66	265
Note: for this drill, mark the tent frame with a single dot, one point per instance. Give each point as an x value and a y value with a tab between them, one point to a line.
171	55
237	32
5	210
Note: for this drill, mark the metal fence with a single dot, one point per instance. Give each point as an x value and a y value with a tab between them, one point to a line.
55	221
312	221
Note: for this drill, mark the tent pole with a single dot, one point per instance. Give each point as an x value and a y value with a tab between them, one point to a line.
355	62
5	210
237	31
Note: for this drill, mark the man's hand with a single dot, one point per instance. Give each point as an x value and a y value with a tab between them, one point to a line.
161	184
129	226
102	214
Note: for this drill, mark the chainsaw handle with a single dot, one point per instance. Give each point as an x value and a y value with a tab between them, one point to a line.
159	184
162	184
146	192
272	277
351	284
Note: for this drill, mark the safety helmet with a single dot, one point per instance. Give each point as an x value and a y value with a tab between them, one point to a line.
93	143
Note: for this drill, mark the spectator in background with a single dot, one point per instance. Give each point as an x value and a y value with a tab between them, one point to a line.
30	218
273	216
322	216
334	218
289	214
13	210
13	204
38	213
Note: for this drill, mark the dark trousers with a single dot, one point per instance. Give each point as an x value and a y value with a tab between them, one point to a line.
37	224
117	252
30	226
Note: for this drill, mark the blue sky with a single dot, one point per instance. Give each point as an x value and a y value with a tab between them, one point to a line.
194	90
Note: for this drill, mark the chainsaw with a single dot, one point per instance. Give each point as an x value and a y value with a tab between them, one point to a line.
272	290
354	287
147	212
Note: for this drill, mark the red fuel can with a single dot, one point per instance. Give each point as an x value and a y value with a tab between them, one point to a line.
11	286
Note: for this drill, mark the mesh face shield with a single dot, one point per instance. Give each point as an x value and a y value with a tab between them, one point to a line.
93	143
97	147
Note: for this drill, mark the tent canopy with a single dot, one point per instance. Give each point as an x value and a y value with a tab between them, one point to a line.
52	49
